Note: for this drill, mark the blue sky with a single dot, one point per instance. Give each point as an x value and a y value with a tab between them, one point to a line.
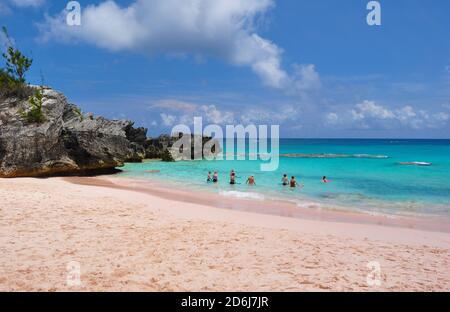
313	67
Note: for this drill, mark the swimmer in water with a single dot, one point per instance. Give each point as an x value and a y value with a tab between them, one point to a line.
293	183
215	177
251	180
232	177
209	179
325	180
285	180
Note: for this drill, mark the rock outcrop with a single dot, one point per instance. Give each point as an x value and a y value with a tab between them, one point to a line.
65	142
162	148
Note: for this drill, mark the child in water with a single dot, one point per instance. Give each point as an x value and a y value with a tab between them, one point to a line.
325	180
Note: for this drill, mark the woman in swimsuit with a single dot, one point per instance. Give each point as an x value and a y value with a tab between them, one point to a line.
209	179
215	177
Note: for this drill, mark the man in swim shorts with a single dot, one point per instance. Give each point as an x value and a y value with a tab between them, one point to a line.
251	180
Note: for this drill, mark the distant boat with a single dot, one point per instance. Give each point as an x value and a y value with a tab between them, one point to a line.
415	163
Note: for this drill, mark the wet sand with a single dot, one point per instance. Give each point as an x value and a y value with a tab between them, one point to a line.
309	210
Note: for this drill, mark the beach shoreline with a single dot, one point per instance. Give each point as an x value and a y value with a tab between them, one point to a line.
127	239
277	207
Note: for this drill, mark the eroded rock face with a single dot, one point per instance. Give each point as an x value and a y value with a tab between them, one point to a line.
159	147
65	142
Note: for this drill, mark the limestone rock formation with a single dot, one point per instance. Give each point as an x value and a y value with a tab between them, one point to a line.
65	142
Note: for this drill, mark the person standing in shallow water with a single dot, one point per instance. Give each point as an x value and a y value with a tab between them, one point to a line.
285	180
232	177
215	177
251	180
293	183
209	179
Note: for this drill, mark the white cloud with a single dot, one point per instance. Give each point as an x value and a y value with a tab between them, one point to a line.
180	112
6	5
224	29
332	119
269	115
407	113
369	114
215	116
27	3
306	78
168	120
174	105
442	116
369	109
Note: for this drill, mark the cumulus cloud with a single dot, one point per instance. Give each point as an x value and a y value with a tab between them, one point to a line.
332	118
180	112
307	78
210	114
225	29
213	115
168	120
369	114
369	109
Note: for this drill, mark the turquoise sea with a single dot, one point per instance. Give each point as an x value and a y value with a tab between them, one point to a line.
366	175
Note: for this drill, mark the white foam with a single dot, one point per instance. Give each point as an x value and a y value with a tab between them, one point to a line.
416	163
247	195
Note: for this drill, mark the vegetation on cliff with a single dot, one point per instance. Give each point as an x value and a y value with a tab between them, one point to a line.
12	75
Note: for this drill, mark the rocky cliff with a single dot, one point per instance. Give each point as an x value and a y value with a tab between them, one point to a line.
65	141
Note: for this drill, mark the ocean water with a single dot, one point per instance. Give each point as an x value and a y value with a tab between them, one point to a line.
365	175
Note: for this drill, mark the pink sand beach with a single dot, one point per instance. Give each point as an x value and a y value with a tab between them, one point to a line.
124	235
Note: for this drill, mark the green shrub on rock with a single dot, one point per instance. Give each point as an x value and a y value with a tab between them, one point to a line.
34	113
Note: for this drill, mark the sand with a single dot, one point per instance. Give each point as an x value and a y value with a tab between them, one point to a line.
125	240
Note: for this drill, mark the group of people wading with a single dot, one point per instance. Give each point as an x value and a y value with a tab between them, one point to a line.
285	181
